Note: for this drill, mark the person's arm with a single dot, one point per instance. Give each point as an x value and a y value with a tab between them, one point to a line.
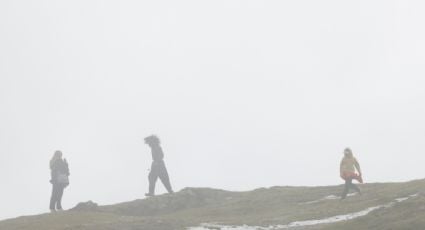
160	153
66	167
340	168
53	173
357	165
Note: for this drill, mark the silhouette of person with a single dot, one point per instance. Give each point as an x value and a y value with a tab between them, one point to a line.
348	167
158	169
59	180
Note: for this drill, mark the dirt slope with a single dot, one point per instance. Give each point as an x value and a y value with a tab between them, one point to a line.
276	206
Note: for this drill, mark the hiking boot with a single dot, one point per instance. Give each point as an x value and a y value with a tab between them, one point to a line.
149	194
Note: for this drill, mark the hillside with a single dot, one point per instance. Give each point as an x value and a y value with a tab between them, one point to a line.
382	206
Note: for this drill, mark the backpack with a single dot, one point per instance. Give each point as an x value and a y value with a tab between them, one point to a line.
63	179
63	176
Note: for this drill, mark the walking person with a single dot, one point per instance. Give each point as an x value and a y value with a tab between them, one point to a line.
59	180
349	171
158	169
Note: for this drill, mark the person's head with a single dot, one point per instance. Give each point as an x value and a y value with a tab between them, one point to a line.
57	155
152	140
348	152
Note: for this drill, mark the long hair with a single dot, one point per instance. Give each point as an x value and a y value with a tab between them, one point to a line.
152	140
56	156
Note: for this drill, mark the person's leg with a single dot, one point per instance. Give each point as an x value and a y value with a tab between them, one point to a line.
347	186
59	197
53	198
357	189
153	177
165	179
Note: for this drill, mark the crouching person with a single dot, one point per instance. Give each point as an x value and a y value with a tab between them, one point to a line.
349	171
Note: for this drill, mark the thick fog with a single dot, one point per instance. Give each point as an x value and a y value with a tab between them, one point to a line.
243	94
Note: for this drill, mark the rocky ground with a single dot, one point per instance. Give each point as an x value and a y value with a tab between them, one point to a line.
382	206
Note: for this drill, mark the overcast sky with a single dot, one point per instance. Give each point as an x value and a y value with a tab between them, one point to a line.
244	94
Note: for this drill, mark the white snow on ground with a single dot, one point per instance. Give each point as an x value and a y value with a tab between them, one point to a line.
329	220
331	197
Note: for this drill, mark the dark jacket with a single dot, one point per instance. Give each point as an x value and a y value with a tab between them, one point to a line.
59	167
157	154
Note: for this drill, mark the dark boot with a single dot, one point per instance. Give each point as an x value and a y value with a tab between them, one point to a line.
347	186
357	189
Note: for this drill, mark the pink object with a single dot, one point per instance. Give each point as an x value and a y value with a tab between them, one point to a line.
353	176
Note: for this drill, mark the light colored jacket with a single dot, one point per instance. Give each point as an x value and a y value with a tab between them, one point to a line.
349	165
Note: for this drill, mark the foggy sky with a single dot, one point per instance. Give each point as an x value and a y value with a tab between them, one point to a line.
243	94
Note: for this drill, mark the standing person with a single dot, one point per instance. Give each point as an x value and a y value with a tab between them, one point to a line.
158	168
59	180
349	166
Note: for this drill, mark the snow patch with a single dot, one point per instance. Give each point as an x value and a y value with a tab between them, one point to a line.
329	220
331	197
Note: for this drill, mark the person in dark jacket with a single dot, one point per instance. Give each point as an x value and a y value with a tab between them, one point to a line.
59	180
158	169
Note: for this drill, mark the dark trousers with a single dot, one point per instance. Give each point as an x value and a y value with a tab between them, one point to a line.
158	170
56	198
349	185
